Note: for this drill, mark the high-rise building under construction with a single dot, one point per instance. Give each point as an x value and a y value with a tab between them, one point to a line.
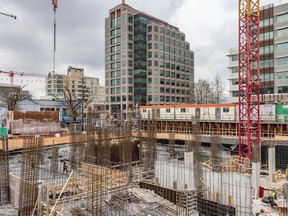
147	61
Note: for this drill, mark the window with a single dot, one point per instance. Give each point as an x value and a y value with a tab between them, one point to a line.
225	109
123	80
124	89
266	22
282	47
149	37
156	46
282	60
282	75
182	110
234	57
234	93
156	81
144	110
234	69
282	89
156	28
130	37
266	36
282	32
266	63
149	45
130	45
149	28
155	54
168	110
282	18
266	49
234	81
156	37
149	55
130	28
130	18
168	32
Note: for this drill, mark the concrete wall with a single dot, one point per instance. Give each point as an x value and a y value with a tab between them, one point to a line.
14	183
170	172
227	188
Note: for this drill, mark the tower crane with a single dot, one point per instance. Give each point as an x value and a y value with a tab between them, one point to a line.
249	87
9	15
249	82
11	74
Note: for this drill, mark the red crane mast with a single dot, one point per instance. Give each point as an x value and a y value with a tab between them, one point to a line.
11	74
249	82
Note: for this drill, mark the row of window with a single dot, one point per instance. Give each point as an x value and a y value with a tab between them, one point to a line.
150	98
155	72
282	18
117	48
186	110
167	65
117	90
167	32
269	62
266	22
169	74
168	40
282	89
174	58
172	50
117	73
263	78
282	75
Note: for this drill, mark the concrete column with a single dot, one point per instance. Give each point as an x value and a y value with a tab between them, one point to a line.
256	166
271	163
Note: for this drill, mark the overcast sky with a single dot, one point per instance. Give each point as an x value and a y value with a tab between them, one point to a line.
26	44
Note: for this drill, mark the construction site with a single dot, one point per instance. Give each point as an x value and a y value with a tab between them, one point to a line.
147	165
121	168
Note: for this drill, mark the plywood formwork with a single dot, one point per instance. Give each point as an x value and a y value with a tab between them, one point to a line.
100	182
111	179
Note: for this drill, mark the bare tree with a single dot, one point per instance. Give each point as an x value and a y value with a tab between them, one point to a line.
73	102
12	96
202	92
209	92
218	86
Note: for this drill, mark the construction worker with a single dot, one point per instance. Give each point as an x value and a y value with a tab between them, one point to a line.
65	166
274	195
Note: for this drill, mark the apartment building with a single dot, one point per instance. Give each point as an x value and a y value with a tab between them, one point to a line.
147	61
273	56
82	86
